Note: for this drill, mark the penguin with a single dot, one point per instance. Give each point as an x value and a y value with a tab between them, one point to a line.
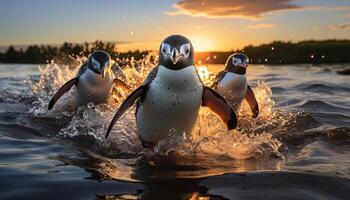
94	81
232	83
171	96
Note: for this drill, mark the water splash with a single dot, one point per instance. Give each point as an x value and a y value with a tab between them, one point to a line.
52	77
209	141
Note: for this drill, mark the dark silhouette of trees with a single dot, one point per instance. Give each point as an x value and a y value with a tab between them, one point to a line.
278	52
12	56
326	51
33	54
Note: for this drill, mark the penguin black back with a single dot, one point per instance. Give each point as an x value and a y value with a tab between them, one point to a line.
176	52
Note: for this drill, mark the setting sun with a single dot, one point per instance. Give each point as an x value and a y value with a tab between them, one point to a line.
202	44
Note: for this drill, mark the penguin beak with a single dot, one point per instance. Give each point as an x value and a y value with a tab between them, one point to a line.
103	72
175	56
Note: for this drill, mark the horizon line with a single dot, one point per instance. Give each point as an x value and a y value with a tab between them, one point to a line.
3	48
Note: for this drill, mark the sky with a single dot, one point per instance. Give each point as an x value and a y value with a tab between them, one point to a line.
218	25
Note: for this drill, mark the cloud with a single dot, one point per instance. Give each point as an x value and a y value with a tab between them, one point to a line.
333	27
232	8
316	28
339	26
340	8
256	26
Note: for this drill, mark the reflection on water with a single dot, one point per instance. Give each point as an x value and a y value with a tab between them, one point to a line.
299	142
154	168
242	186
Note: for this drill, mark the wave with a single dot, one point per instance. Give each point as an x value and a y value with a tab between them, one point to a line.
321	87
319	105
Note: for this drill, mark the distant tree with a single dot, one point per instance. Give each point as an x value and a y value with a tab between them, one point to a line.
33	54
87	49
66	48
77	50
2	57
48	52
11	55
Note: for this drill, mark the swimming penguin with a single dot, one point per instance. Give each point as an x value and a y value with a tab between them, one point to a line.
94	81
171	96
232	83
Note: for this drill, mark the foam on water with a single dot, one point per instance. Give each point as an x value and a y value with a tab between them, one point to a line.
209	141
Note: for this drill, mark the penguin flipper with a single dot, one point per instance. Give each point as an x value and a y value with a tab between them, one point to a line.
220	106
65	88
121	84
218	78
253	103
129	101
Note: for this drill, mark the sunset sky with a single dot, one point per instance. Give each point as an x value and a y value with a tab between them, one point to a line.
142	24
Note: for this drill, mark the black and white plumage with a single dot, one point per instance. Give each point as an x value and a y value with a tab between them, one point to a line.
172	94
94	81
232	83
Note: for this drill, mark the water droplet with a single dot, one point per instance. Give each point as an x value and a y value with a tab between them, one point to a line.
172	132
90	105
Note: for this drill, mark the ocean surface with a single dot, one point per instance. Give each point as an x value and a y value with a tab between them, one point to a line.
298	148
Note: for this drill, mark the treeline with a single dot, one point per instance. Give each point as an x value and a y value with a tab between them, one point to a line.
45	53
325	51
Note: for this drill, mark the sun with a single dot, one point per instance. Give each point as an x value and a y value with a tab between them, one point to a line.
202	44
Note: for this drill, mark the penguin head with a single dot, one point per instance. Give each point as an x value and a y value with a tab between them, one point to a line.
99	62
237	63
176	52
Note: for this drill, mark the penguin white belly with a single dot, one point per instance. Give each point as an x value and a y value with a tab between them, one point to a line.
234	88
92	88
172	102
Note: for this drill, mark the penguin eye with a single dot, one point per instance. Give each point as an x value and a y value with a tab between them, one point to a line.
185	49
236	61
165	48
95	63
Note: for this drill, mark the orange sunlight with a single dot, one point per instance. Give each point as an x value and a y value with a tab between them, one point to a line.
202	44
